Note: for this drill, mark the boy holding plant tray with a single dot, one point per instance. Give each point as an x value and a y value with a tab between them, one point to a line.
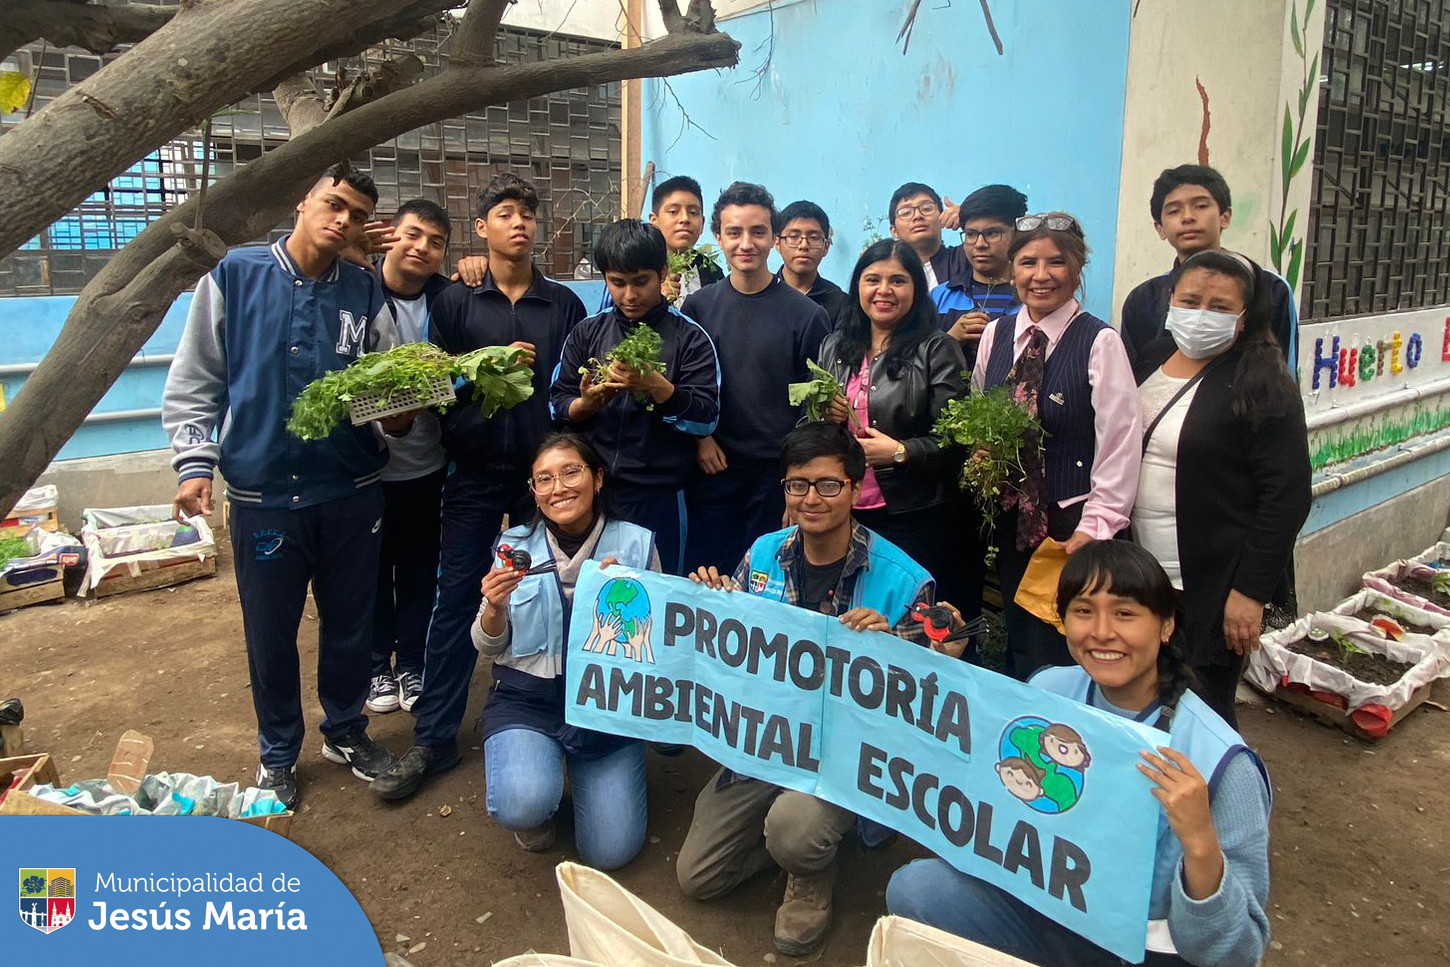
642	382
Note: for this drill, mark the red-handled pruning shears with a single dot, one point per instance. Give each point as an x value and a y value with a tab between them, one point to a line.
519	560
938	620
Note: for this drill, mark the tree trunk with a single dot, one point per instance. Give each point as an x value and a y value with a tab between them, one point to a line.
121	307
211	54
99	29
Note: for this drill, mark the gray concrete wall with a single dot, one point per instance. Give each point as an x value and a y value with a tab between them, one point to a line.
122	480
1329	563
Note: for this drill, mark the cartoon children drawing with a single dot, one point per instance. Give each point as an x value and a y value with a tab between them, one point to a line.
1058	753
1021	778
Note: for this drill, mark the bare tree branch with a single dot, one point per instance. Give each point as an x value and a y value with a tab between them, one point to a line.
98	28
117	312
419	16
473	41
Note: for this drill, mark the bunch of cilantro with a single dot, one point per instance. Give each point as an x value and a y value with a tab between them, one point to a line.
499	377
992	428
639	350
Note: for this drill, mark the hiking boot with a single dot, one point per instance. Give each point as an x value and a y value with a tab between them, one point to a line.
410	685
804	916
407	774
383	694
536	840
354	748
282	781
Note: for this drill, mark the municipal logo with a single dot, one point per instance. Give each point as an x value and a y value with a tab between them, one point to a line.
47	898
622	621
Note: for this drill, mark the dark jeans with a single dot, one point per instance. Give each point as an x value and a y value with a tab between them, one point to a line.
407	571
942	540
472	514
276	553
729	510
659	511
1031	642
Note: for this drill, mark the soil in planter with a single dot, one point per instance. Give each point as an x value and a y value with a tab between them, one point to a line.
1373	669
1369	614
1423	587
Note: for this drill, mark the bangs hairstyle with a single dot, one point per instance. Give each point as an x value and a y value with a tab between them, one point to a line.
1001	203
588	456
823	439
507	187
806	209
745	193
1069	242
1171	179
909	190
669	186
354	179
920	320
427	212
1128	571
1263	388
630	245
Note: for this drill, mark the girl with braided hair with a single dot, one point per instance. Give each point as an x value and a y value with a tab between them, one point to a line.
1123	624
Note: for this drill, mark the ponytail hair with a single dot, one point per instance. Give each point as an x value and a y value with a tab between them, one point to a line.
1262	389
1129	571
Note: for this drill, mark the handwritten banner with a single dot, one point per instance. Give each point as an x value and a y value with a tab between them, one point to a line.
1026	790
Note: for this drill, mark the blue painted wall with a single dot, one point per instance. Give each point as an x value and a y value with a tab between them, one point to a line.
843	118
28	327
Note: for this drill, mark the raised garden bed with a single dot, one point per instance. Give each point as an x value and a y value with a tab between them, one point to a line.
1393	618
1423	580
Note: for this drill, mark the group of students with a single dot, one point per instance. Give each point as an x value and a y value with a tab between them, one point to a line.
702	469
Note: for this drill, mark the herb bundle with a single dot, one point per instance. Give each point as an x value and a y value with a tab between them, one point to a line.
678	263
500	379
13	547
992	428
639	350
816	393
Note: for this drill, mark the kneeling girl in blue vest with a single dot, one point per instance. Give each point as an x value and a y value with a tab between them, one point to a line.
523	626
1211	878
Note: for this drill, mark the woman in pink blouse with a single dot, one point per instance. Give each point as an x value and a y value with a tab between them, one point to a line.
1070	368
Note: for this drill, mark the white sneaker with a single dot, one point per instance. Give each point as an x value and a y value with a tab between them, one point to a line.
383	694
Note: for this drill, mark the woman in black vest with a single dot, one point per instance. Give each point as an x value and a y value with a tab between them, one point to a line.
1224	486
899	370
1069	368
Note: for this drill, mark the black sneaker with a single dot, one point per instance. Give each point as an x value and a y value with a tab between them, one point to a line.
354	748
383	694
410	685
281	781
408	773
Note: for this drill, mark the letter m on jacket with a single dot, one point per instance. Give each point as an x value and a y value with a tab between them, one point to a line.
351	332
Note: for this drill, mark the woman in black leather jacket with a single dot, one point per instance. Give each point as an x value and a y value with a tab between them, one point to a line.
899	370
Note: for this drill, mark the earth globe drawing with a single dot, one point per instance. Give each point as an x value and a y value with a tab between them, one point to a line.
626	599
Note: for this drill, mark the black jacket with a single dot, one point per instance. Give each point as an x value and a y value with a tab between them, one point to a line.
465	318
905	405
1241	494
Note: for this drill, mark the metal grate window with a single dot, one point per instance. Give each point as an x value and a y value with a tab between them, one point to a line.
1379	239
567	144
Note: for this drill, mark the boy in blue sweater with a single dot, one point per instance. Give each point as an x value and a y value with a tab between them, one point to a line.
263	324
644	425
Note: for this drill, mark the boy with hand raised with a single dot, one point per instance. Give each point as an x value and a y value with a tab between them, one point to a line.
644	425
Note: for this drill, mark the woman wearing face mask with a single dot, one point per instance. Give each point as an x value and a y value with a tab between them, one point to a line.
523	626
1070	369
898	371
1224	486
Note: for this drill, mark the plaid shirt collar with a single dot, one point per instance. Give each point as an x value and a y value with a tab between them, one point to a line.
791	557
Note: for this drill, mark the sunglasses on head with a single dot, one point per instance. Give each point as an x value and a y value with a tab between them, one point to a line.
1057	221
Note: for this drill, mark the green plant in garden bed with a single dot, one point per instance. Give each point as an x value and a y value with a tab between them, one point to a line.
817	393
992	428
639	350
13	547
499	377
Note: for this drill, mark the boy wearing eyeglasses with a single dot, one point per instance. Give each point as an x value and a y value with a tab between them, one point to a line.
915	215
968	303
644	425
828	563
805	240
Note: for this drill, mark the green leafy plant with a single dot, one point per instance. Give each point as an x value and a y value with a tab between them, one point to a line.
639	350
1285	250
992	428
678	263
1346	646
499	375
13	547
817	393
1440	583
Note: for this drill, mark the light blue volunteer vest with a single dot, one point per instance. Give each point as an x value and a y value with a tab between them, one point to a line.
888	584
1195	730
537	620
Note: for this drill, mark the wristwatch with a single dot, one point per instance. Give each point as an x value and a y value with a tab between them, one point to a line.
899	457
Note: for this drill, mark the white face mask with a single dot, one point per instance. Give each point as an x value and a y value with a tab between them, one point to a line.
1201	333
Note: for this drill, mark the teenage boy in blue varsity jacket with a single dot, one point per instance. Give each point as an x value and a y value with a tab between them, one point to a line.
645	427
828	563
263	324
515	305
764	331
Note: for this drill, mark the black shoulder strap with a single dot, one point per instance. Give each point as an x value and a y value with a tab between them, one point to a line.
1148	433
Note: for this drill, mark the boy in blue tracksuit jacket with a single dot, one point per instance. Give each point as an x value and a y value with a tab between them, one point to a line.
645	426
263	324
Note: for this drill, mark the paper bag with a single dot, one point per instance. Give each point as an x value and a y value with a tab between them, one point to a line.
1037	594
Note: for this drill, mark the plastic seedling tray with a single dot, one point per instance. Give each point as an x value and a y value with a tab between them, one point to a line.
375	406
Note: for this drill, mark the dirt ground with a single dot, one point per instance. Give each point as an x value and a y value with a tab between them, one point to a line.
1359	831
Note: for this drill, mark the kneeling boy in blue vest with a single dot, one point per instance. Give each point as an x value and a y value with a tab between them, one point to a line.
828	563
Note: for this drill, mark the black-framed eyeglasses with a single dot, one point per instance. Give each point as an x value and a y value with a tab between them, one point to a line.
970	235
543	483
808	239
825	486
1057	221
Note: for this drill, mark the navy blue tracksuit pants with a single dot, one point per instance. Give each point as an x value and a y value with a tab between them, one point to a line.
729	510
662	512
407	572
472	513
276	553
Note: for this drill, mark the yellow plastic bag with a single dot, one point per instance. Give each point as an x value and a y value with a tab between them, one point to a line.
1037	594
